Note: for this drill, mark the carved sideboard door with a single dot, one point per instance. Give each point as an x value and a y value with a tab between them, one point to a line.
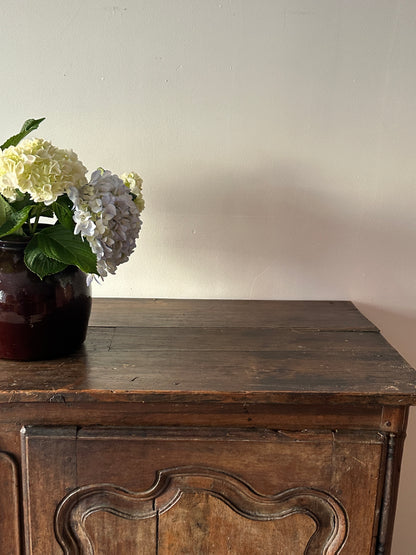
212	491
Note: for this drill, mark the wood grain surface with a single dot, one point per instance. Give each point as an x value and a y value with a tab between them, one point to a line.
220	351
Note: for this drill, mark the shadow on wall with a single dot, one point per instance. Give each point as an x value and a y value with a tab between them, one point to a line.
286	231
399	329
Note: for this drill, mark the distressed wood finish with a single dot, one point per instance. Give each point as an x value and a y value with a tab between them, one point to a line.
221	351
50	460
9	506
116	455
139	474
215	528
201	426
182	313
179	532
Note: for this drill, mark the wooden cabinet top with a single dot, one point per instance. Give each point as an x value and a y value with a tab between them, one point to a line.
187	351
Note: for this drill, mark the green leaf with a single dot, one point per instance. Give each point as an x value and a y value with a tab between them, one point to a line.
38	262
15	221
5	210
28	126
47	212
62	208
61	244
22	200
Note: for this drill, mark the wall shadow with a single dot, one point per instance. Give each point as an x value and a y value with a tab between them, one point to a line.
283	231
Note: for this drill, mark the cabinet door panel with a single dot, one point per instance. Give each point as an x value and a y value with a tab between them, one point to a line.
109	534
220	491
49	471
213	528
216	528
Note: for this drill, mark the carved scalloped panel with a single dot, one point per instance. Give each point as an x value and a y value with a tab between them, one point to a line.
251	486
201	510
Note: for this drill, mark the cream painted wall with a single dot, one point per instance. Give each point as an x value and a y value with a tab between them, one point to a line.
275	137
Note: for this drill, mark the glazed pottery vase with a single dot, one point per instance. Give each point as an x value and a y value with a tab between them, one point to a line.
39	319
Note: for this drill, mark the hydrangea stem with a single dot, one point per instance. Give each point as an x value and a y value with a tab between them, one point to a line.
34	225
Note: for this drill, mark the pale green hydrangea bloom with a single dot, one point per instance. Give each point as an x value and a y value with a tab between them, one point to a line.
134	182
37	167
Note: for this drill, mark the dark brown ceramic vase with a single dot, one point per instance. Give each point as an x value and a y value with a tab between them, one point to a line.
39	319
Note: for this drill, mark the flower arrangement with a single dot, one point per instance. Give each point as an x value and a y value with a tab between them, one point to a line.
91	224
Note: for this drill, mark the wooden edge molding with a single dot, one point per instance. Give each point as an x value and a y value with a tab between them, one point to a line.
388	500
327	512
9	492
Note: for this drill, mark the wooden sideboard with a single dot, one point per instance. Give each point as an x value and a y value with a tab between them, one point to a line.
206	427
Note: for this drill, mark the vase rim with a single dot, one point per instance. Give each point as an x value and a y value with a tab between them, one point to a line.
14	242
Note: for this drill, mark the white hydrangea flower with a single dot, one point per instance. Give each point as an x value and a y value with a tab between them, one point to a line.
107	217
134	182
37	167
